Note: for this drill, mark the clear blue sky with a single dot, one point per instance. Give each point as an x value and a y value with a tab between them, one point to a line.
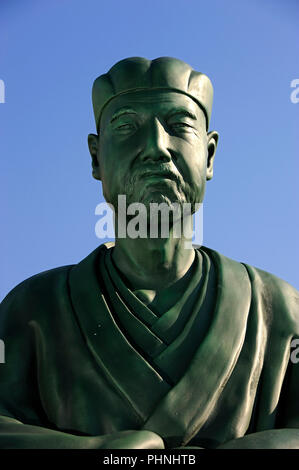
50	53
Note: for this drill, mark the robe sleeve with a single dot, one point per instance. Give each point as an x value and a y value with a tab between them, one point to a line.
281	304
285	435
23	421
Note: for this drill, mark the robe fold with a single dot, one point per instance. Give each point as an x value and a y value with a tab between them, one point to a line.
85	355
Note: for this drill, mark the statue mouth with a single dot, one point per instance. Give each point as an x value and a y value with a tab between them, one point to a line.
160	174
164	176
154	178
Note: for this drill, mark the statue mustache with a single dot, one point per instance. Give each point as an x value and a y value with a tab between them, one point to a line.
157	170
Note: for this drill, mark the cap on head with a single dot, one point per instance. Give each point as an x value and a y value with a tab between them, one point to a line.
165	73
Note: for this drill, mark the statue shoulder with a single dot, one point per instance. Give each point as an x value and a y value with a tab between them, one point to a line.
273	284
45	294
280	298
32	297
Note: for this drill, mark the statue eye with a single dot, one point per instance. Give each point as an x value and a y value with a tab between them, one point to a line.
125	127
180	125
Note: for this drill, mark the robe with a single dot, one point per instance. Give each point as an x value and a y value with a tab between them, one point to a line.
85	356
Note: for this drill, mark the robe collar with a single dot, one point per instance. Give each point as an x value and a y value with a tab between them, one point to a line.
184	408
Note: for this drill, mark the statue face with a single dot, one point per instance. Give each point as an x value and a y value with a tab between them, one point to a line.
153	147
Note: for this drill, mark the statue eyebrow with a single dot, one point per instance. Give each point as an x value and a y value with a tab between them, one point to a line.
121	112
182	111
174	112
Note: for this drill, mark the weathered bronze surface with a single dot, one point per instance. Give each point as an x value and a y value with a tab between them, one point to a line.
147	343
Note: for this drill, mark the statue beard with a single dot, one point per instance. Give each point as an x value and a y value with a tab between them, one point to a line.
136	189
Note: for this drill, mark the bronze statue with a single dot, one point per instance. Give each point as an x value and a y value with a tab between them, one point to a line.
147	343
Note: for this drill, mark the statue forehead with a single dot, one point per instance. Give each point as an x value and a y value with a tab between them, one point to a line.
150	101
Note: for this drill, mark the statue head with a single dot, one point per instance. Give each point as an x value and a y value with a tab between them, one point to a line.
153	142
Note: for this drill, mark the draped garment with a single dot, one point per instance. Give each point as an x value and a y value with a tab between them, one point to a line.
85	355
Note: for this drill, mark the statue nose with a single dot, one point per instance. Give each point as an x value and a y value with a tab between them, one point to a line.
156	142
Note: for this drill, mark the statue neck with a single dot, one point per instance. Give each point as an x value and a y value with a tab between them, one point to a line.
152	264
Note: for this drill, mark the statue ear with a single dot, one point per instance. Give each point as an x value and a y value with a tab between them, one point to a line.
93	144
213	137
